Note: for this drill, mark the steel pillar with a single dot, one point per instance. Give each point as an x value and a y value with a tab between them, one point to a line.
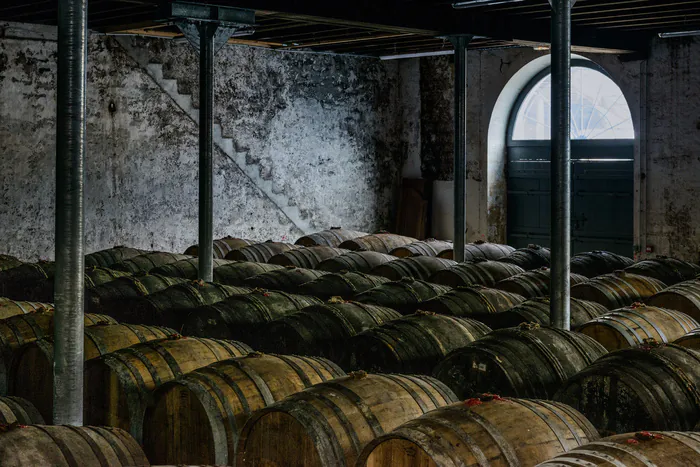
206	150
70	242
560	311
460	157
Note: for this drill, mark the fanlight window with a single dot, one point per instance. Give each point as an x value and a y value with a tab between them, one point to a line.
598	109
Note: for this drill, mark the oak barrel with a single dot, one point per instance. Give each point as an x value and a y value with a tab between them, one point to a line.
13	307
308	257
405	296
241	316
484	431
343	284
31	373
106	258
529	258
467	301
641	449
237	272
538	311
286	280
690	340
412	344
651	387
23	329
430	247
222	246
331	237
330	423
197	418
480	251
260	252
144	263
684	297
9	262
104	296
416	267
527	361
486	273
69	446
358	261
670	271
118	385
632	326
19	283
379	242
596	263
170	307
18	411
42	290
534	283
618	289
323	329
185	269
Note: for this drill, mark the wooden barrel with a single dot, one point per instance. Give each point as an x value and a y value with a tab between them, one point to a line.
330	423
652	387
535	283
486	273
379	242
12	307
343	284
144	263
412	344
95	276
332	237
466	301
618	289
323	329
222	246
106	258
19	330
69	446
286	280
357	261
185	269
241	316
418	267
237	272
260	252
483	431
684	297
18	411
481	251
118	384
31	374
309	257
102	297
42	290
641	449
690	340
430	247
532	257
597	263
527	361
9	262
670	271
537	311
197	419
171	306
634	325
405	296
20	282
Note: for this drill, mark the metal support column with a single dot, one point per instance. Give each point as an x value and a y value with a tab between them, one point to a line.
206	150
460	158
560	311
70	262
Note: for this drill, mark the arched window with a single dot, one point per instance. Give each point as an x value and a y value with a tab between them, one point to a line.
602	155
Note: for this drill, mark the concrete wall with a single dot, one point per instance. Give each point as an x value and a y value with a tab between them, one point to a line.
318	135
663	93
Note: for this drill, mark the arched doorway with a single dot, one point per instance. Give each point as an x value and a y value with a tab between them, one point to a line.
602	153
